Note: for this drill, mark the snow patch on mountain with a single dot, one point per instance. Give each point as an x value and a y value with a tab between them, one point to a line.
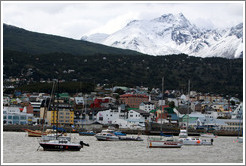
96	38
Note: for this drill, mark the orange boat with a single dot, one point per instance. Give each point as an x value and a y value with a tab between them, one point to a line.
35	133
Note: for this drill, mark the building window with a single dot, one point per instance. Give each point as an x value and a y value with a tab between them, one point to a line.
16	117
23	118
101	118
131	115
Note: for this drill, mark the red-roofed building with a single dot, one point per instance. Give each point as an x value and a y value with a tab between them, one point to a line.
133	100
100	103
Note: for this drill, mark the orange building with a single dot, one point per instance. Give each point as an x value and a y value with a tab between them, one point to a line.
133	100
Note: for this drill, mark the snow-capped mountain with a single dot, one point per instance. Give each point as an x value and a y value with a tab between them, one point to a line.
174	34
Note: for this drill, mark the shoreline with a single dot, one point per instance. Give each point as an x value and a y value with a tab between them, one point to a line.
19	128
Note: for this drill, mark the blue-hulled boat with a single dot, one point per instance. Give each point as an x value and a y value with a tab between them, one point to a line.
119	133
87	133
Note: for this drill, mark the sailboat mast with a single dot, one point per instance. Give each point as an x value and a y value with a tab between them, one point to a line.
162	100
188	106
46	108
57	109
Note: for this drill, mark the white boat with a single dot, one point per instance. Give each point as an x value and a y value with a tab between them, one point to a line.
49	137
239	140
183	134
164	142
208	135
126	138
107	135
61	142
61	145
196	141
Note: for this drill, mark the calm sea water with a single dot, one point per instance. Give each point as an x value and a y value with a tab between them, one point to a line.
19	148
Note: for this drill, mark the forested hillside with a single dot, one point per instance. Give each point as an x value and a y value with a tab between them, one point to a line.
213	75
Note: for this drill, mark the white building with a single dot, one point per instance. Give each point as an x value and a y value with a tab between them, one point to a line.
79	100
36	108
146	106
232	124
13	115
109	116
124	120
138	117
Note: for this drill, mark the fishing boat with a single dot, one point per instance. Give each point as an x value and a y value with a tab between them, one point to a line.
164	142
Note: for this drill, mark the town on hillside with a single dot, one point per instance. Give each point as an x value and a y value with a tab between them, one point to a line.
138	109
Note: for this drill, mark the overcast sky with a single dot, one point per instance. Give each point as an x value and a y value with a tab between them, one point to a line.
76	19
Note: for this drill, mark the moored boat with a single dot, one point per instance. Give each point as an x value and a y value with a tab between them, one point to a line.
107	135
87	133
125	138
196	141
49	137
183	134
164	142
208	135
61	145
119	133
34	133
239	140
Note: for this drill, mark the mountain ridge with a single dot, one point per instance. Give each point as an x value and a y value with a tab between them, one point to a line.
175	34
19	39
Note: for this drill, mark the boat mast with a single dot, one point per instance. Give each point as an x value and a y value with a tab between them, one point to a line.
187	123
162	101
57	109
46	108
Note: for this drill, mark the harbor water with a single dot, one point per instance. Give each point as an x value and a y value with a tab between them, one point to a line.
19	148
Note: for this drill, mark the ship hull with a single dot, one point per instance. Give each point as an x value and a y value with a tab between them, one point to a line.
60	147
